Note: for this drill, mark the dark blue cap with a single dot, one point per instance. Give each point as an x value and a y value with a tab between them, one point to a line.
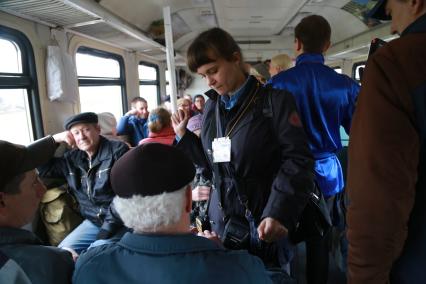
151	169
379	11
84	117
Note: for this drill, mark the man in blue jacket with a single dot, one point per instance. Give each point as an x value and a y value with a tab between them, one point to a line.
154	199
326	101
135	122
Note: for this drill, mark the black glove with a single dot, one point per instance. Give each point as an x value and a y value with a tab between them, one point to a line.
108	230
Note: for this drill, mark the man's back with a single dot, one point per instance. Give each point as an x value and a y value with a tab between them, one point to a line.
181	258
386	177
325	100
41	264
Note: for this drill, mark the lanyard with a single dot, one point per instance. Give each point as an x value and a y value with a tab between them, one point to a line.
219	129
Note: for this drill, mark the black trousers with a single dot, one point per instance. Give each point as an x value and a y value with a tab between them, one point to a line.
318	249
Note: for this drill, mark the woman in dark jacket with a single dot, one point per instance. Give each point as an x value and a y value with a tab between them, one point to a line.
253	143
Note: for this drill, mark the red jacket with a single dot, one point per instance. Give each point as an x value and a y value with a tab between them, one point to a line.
165	136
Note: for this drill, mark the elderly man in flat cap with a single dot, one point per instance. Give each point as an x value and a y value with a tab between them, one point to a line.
154	199
86	169
23	258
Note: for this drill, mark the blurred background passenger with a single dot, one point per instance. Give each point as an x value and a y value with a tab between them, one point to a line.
160	129
280	62
199	102
260	71
185	105
134	122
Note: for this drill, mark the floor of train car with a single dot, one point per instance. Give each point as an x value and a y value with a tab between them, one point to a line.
335	275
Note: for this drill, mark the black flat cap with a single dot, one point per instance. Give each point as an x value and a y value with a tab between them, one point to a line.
84	117
17	159
379	11
151	169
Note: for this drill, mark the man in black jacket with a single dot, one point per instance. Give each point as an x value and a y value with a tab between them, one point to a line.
86	169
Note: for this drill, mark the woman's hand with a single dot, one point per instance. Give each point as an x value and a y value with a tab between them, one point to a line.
271	230
179	122
200	193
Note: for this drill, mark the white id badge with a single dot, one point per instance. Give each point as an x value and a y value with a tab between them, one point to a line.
221	150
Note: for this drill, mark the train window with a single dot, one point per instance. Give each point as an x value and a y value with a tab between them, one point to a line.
338	69
149	84
101	81
357	69
19	100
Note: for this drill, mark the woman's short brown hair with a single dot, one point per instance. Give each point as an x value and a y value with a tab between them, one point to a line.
314	32
158	119
210	45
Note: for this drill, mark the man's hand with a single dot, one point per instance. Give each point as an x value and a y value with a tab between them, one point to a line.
66	137
271	230
131	112
211	236
179	122
200	193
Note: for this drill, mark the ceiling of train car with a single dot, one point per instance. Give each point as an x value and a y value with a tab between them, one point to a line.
263	28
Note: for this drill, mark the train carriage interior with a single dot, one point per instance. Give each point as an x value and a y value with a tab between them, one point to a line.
62	57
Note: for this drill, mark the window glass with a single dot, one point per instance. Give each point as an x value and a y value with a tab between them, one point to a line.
149	85
95	66
338	70
101	99
100	81
20	120
150	94
344	137
10	57
15	120
357	71
147	73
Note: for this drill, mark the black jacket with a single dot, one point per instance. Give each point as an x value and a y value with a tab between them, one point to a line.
270	158
90	183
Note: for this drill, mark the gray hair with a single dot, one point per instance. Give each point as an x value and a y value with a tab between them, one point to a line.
151	213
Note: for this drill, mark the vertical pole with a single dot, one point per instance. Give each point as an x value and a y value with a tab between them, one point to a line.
170	55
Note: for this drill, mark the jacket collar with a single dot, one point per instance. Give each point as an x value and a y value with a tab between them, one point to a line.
10	236
168	131
167	244
418	26
310	58
213	95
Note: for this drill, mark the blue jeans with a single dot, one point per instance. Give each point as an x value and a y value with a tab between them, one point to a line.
84	237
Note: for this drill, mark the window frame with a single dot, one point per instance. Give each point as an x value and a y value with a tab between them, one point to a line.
355	66
87	81
151	82
26	80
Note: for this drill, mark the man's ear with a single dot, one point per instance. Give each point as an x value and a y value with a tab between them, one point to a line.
326	47
417	7
188	198
2	202
298	45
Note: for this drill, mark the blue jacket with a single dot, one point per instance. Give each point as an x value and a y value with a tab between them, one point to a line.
166	259
135	127
41	264
326	101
